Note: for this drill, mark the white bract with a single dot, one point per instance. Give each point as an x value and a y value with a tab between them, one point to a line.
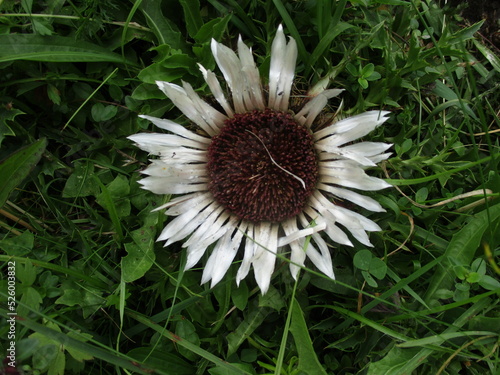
182	156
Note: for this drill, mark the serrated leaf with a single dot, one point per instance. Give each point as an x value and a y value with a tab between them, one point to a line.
7	115
78	354
136	263
58	365
71	297
17	166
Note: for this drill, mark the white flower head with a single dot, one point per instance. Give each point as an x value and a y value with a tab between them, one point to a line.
259	176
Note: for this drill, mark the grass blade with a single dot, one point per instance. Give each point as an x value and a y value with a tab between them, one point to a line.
54	49
17	166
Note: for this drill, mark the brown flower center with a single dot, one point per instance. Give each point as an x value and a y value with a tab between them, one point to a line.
262	166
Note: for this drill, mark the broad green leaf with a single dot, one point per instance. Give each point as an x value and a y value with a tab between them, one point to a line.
252	321
239	296
101	112
107	200
30	301
19	245
136	263
378	268
362	259
118	190
393	361
461	250
192	16
213	29
54	49
81	183
26	273
308	361
17	166
44	356
489	283
187	331
71	297
163	28
58	365
170	363
141	255
273	298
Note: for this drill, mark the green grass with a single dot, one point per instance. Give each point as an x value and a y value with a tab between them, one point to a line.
97	295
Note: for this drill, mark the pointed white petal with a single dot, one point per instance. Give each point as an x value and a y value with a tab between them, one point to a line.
230	66
251	78
183	155
190	173
184	203
367	148
219	261
179	200
198	111
216	89
206	234
365	153
160	185
266	238
361	200
298	253
291	237
378	158
355	223
223	255
248	254
160	144
281	71
322	260
176	128
313	108
185	223
324	206
348	173
351	128
212	224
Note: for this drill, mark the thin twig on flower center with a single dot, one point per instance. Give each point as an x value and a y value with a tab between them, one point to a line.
274	162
